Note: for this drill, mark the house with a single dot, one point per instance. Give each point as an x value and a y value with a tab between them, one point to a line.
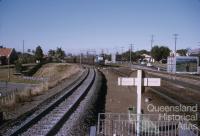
147	58
172	53
7	55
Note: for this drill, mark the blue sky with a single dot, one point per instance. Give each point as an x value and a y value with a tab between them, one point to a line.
79	25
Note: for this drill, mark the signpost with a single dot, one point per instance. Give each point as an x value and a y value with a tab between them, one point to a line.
139	82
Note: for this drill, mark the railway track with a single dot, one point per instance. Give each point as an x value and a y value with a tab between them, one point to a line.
169	94
195	77
50	118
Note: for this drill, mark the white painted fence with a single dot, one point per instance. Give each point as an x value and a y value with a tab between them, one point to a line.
114	124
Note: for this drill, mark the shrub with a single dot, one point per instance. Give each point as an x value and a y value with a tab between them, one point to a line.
18	66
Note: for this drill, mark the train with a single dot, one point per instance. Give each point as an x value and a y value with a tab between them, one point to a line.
89	60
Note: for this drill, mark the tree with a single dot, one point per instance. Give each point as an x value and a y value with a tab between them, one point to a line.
142	52
51	53
39	53
13	57
26	58
107	56
18	66
159	53
134	56
182	52
60	53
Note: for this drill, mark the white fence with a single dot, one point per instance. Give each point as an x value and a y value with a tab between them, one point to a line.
110	124
35	78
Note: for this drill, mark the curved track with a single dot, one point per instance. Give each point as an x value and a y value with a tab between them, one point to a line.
49	119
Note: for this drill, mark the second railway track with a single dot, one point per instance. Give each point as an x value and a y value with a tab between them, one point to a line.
168	94
49	119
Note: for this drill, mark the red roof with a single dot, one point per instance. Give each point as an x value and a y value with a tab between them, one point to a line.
5	51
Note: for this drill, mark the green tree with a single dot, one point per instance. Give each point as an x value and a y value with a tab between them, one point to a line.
51	53
60	53
159	53
182	52
134	56
13	57
140	52
39	53
18	66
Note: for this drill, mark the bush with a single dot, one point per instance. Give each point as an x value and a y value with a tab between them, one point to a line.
18	67
32	71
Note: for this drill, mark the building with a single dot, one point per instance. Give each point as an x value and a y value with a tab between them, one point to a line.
183	64
147	58
113	58
196	53
7	55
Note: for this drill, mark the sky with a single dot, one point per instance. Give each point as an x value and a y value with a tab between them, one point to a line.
108	25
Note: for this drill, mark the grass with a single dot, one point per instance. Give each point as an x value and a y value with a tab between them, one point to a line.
158	64
56	72
4	72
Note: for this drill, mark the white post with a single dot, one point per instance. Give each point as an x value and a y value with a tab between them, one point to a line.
139	97
128	81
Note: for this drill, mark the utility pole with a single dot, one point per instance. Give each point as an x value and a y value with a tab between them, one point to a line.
122	49
131	46
122	53
175	39
80	58
152	40
9	68
23	49
102	52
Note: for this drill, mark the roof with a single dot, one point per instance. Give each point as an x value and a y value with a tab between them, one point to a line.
194	51
5	52
146	55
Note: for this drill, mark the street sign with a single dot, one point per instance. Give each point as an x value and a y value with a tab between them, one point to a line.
152	82
130	81
139	82
125	81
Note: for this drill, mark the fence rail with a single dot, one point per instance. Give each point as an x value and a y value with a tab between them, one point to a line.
35	78
126	125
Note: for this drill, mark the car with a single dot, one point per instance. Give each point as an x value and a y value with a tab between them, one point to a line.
149	65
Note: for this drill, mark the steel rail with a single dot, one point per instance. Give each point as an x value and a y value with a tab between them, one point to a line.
158	92
68	91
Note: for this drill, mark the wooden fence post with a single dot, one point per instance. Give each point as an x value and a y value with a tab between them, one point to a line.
1	117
